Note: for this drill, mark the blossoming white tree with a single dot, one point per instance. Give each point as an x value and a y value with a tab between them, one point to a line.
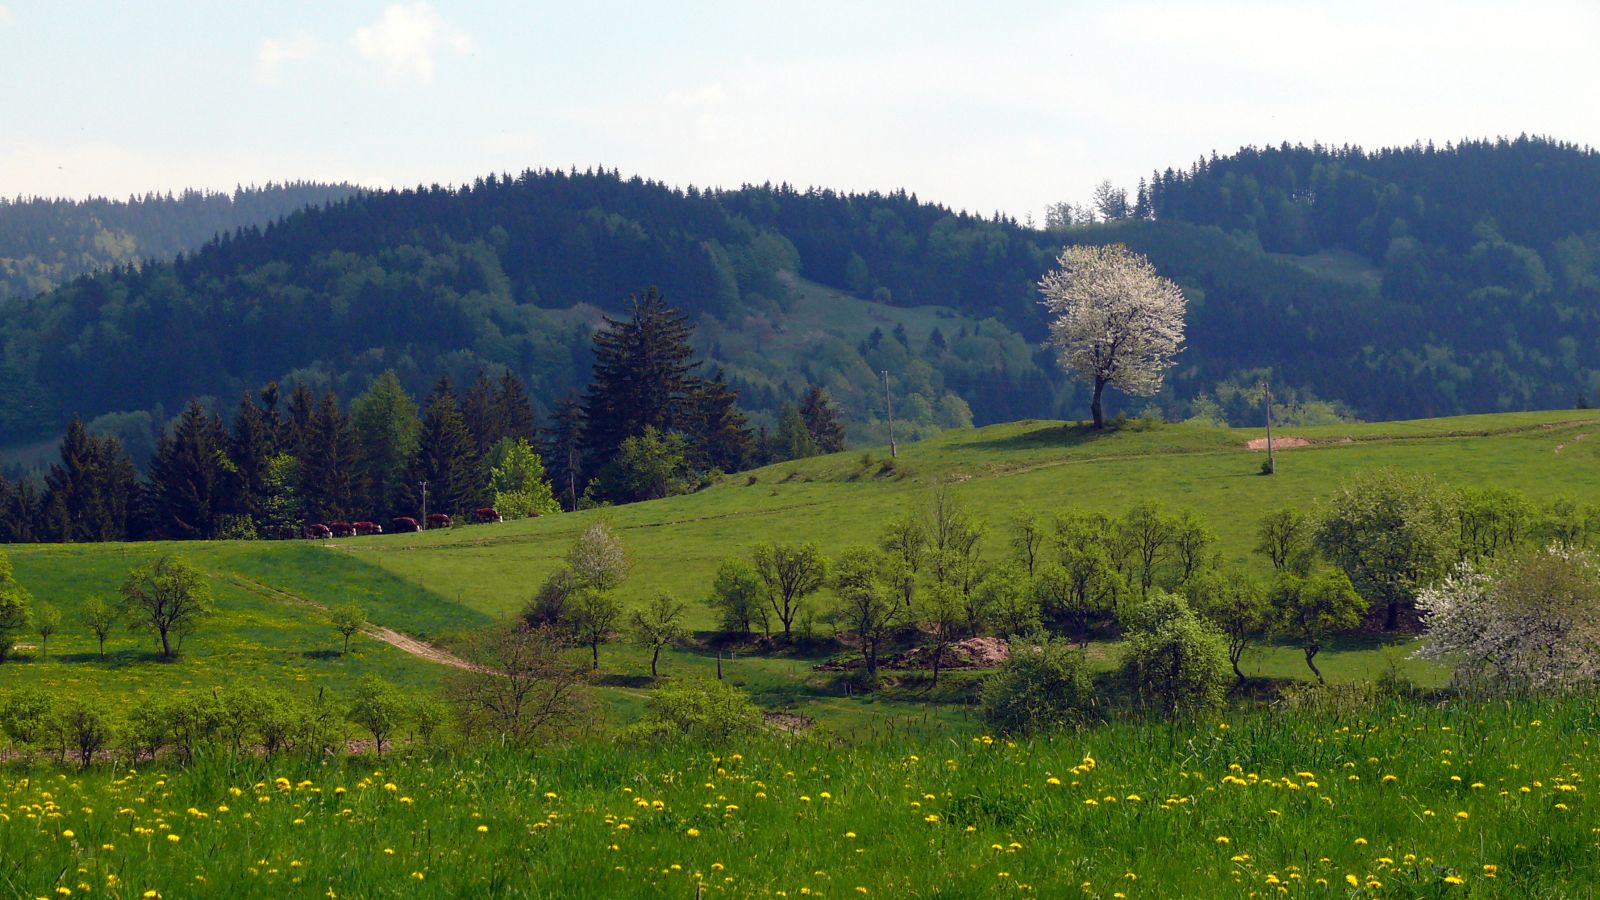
1530	622
1115	321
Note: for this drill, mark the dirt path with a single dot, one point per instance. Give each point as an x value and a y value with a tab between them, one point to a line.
402	642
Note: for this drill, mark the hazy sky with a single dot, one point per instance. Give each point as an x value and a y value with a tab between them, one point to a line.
984	106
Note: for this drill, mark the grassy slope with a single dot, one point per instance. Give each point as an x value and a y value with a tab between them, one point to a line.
439	582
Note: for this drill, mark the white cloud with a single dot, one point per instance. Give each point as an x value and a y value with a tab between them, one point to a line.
406	41
274	53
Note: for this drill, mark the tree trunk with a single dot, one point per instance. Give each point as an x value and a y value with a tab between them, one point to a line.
1311	652
346	645
653	657
1234	658
938	652
102	648
594	648
166	646
1094	405
1391	619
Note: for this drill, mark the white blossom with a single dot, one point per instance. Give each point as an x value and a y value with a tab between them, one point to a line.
1114	320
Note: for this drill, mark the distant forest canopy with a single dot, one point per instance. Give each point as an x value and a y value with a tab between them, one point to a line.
1406	282
47	241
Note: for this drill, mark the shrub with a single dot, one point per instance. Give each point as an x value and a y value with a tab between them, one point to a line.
1530	622
1173	660
378	708
84	730
696	710
1043	686
25	716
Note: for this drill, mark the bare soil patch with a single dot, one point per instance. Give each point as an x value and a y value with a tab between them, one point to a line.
1278	443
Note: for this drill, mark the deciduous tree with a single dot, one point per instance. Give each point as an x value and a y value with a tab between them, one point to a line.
1114	321
168	597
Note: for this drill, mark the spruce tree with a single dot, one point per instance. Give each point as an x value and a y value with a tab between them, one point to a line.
302	406
478	412
793	440
822	420
192	480
73	500
563	451
19	511
721	436
643	376
254	442
386	428
329	474
447	458
513	410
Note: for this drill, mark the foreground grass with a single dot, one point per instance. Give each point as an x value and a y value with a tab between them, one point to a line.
1397	799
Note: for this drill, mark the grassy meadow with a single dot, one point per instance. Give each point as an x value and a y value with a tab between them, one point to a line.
441	583
1377	798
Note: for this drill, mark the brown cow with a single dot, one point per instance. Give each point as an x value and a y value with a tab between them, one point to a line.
438	520
486	514
368	528
317	531
404	524
342	529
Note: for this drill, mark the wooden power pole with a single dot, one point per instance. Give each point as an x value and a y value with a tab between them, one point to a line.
1266	392
888	405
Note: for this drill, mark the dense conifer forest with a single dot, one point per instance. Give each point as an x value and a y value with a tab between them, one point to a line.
1403	282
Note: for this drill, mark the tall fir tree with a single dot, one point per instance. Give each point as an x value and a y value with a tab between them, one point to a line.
447	458
330	477
192	480
478	412
297	424
253	443
90	493
793	440
822	420
721	436
643	376
563	451
513	410
19	510
386	428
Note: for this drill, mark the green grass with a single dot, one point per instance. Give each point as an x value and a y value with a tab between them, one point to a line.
1400	797
444	582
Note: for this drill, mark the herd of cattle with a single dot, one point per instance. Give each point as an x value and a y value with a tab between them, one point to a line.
401	525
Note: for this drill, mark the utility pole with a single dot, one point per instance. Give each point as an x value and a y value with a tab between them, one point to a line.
424	486
888	405
1266	392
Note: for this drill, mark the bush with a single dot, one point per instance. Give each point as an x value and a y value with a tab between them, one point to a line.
696	711
1043	686
1176	663
84	730
25	716
378	708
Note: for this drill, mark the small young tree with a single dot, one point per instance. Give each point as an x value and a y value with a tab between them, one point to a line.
84	729
16	609
1043	686
1192	545
1392	533
1284	537
739	597
46	621
869	605
658	626
100	617
516	476
240	710
790	573
598	558
348	620
548	605
1147	532
1114	321
1236	605
1010	603
1028	533
1311	609
941	614
378	708
168	597
523	688
593	615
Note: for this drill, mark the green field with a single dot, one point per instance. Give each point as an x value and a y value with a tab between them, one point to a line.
437	584
1372	798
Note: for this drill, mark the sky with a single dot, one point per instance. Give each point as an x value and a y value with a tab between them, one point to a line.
994	106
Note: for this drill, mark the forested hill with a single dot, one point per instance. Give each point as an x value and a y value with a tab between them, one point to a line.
1419	281
45	242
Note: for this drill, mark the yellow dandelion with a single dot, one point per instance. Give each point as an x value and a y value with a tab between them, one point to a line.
693	832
